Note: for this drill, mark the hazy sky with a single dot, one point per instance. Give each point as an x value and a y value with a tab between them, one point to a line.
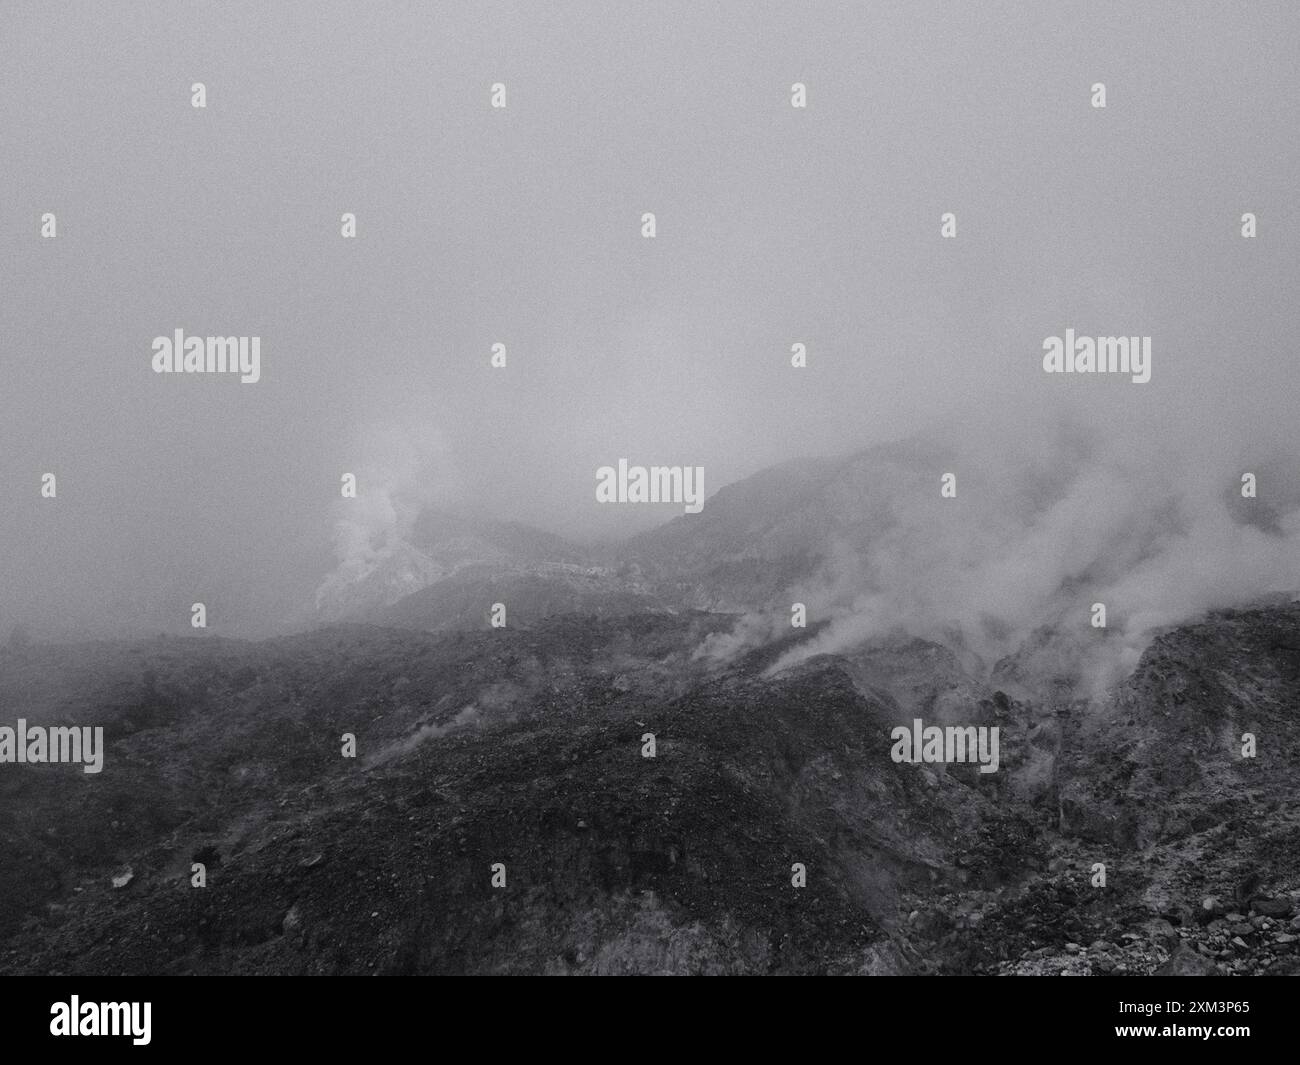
476	225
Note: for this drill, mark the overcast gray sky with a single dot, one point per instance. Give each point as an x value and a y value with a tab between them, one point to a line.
775	225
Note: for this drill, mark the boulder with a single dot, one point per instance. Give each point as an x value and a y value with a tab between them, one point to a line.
1272	907
1186	962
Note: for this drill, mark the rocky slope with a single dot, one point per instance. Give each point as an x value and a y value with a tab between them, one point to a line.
524	746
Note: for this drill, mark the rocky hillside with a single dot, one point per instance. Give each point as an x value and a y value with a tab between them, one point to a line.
453	552
524	746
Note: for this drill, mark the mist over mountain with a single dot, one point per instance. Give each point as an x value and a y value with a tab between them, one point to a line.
414	648
777	226
1053	518
682	771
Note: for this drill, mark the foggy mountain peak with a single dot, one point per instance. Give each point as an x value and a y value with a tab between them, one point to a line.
573	488
1055	520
